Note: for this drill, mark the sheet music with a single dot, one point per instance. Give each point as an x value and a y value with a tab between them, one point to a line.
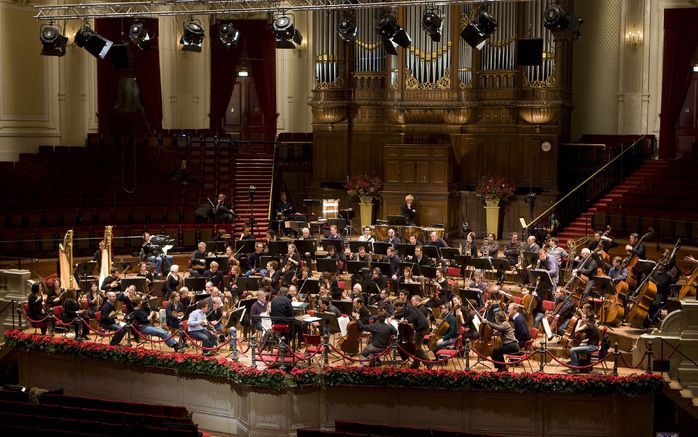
265	321
546	328
476	323
343	323
308	319
166	248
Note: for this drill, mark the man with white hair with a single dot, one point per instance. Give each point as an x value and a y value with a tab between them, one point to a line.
586	271
171	282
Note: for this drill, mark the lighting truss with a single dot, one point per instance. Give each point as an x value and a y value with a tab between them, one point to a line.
219	7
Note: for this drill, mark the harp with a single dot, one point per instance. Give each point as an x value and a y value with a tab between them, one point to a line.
105	268
65	261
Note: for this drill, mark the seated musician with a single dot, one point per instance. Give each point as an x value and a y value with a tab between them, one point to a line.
36	309
547	262
391	238
222	211
259	307
332	284
435	240
339	256
479	284
197	263
406	277
492	306
663	277
469	246
214	275
362	255
144	273
108	319
231	285
97	257
512	250
409	210
394	261
272	276
419	258
521	330
126	298
325	306
293	293
230	254
586	327
587	271
359	311
357	293
367	235
489	247
416	302
403	295
556	251
153	253
421	328
171	282
381	335
618	273
537	311
449	337
301	276
510	344
246	233
174	311
443	289
634	247
216	315
94	297
384	302
110	283
142	320
284	207
563	310
334	234
412	240
253	266
531	246
72	315
186	297
379	279
198	326
305	234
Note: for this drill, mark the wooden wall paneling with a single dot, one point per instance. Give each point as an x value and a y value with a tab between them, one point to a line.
330	160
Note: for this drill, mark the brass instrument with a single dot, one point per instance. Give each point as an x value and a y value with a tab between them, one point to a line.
65	261
573	245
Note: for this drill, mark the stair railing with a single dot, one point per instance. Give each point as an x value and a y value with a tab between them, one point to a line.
572	204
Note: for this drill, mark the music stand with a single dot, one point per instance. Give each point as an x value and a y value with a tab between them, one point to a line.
216	246
403	264
449	253
471	294
337	244
247	284
306	246
221	260
381	248
236	316
430	251
545	282
139	282
244	246
482	263
604	284
195	284
427	271
279	247
412	289
201	296
329	321
397	220
463	260
309	285
355	267
354	246
327	265
384	267
500	264
345	306
530	258
85	269
405	249
264	259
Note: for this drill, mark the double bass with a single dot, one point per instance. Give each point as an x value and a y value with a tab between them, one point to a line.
349	344
689	287
630	262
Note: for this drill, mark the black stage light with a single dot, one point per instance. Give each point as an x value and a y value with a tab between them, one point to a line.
557	20
479	29
96	44
138	34
392	34
346	28
193	37
52	41
286	34
529	51
432	25
229	35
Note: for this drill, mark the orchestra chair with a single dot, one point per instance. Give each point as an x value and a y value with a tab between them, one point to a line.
100	331
36	325
58	316
452	352
515	359
313	345
596	355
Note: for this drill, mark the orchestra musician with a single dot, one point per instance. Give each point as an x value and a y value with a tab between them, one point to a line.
197	263
587	326
97	257
556	251
563	310
471	332
72	315
232	282
141	317
281	311
617	272
214	275
391	238
437	241
284	207
144	273
108	319
489	247
412	240
198	324
325	306
305	234
512	250
537	311
222	211
547	262
449	337
587	268
94	298
381	334
631	248
367	235
36	309
359	311
246	233
510	344
112	282
469	246
216	315
394	262
406	277
419	258
259	307
521	331
443	289
531	246
174	311
492	306
253	260
421	328
230	253
171	281
334	234
379	279
272	276
362	255
409	210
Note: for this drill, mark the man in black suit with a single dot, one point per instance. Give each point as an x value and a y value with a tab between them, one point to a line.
421	328
281	311
587	267
633	248
409	210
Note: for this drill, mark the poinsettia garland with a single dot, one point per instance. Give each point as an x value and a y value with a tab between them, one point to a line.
181	364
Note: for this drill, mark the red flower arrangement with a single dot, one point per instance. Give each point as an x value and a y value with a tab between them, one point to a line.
633	385
364	186
495	188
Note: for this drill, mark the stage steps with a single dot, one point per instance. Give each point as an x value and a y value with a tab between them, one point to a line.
252	170
640	177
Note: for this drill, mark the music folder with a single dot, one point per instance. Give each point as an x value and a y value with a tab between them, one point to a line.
545	282
305	246
306	286
279	247
327	265
384	267
430	251
412	289
474	294
247	284
329	320
139	282
355	267
449	252
405	249
380	248
338	245
354	246
244	246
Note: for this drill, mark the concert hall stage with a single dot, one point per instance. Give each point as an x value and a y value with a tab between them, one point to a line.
235	398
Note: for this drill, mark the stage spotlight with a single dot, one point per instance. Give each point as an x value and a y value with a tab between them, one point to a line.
557	20
96	44
392	34
138	34
432	25
229	35
479	29
52	41
346	28
193	37
286	34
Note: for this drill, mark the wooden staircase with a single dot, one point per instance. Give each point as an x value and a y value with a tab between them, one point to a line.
253	169
582	225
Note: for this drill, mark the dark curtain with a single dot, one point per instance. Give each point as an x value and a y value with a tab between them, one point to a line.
224	63
262	52
145	67
680	40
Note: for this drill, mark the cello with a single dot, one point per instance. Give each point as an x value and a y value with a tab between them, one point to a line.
528	303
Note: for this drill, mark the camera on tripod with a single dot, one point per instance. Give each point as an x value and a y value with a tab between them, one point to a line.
251	191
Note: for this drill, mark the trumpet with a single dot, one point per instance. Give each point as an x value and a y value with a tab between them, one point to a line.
573	245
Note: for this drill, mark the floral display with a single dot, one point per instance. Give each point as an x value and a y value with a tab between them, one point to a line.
495	188
365	186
